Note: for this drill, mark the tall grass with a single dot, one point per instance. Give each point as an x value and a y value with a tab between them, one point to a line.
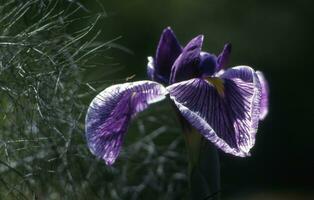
47	47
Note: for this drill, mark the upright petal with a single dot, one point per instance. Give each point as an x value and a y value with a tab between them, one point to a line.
110	112
153	75
186	65
151	68
224	57
225	119
167	52
265	94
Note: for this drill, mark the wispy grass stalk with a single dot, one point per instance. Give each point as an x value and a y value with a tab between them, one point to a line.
43	99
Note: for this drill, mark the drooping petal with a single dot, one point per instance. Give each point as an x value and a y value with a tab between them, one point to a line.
247	74
110	112
242	72
265	94
224	57
186	65
226	119
167	52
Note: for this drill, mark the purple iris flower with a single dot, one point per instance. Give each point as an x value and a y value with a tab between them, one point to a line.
225	106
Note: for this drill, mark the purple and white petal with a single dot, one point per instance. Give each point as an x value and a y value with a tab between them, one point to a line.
186	65
226	120
153	75
224	57
167	52
242	72
110	112
247	74
265	94
151	68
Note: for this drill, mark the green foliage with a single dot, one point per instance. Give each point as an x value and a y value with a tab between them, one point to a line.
43	100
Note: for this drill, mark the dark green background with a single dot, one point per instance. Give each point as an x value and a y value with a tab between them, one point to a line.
275	37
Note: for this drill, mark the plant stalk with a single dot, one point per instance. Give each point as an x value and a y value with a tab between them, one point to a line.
204	167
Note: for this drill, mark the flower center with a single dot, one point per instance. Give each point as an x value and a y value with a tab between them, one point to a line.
207	65
218	83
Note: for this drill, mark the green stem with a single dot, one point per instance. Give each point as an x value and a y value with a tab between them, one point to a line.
204	168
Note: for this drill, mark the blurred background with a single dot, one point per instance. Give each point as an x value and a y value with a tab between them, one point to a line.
56	57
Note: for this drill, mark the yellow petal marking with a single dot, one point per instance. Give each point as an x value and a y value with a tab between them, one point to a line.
218	83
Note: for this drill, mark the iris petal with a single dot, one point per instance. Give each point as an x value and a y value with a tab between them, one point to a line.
153	75
242	72
186	65
247	74
110	112
224	57
151	68
167	52
265	94
226	120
